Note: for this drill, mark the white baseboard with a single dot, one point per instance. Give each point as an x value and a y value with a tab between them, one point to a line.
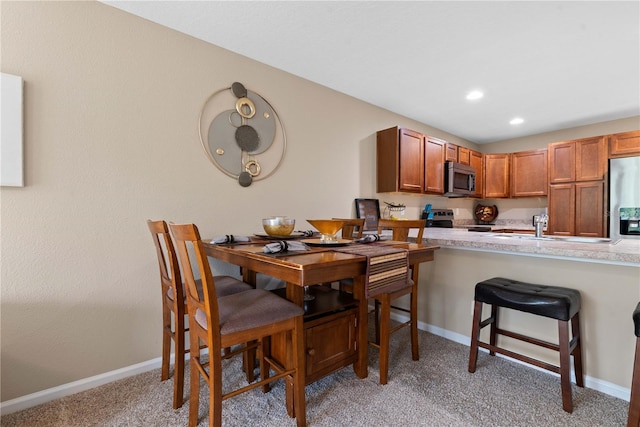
84	384
63	390
605	387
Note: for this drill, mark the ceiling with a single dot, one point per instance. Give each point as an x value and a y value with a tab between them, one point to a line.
556	65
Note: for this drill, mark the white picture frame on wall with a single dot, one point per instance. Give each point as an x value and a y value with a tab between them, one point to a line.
11	131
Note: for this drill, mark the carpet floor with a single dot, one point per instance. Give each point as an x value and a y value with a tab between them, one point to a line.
437	390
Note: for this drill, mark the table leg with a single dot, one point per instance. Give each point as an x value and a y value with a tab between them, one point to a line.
295	294
249	276
360	367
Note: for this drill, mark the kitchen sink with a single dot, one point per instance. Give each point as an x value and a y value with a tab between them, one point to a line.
575	239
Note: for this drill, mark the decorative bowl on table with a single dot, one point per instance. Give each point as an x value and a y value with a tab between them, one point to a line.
327	228
278	225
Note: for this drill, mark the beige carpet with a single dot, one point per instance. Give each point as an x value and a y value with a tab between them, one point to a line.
437	390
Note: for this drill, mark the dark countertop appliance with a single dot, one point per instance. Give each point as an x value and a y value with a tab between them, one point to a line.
440	218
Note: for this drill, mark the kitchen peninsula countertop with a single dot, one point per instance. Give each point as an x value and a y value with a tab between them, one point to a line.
623	252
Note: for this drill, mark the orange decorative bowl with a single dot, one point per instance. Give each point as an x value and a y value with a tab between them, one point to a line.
326	226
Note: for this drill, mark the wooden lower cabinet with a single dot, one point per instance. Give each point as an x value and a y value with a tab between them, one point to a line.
330	343
330	333
590	216
577	209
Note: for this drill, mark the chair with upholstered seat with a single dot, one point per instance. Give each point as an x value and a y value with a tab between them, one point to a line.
383	302
251	316
174	309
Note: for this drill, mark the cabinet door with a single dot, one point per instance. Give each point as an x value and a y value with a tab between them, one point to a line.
387	162
330	344
562	162
476	162
411	168
496	175
591	159
464	155
624	144
590	217
529	173
451	154
562	207
434	155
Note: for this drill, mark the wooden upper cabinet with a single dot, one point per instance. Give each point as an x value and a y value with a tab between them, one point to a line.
399	160
434	155
411	161
464	156
624	144
451	154
529	173
578	160
476	161
496	175
591	158
562	162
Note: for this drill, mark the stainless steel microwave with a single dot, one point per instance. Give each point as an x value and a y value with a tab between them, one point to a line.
459	180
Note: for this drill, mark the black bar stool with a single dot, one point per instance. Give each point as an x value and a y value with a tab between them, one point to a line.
554	302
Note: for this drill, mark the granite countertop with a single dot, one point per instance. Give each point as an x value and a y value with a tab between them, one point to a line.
622	252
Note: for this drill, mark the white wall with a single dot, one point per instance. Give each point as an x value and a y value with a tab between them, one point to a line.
111	139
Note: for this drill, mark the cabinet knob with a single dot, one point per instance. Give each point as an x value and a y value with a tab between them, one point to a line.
311	352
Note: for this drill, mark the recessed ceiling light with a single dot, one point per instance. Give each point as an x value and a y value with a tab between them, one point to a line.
516	121
475	94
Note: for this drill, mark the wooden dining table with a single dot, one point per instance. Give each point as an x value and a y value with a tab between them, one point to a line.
316	266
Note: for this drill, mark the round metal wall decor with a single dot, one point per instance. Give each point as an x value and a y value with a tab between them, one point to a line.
242	134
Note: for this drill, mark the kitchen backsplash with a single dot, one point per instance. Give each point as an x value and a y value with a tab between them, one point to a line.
511	212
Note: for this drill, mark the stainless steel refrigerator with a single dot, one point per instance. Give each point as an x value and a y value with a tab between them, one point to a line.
624	198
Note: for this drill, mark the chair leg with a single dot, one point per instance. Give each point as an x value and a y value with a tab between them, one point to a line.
475	336
166	342
215	389
385	318
565	365
249	363
413	315
634	403
265	351
577	351
178	373
194	382
493	328
376	318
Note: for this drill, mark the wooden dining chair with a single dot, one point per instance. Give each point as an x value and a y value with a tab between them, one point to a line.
352	228
241	321
174	309
383	302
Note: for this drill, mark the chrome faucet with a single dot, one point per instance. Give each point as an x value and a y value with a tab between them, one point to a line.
540	221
